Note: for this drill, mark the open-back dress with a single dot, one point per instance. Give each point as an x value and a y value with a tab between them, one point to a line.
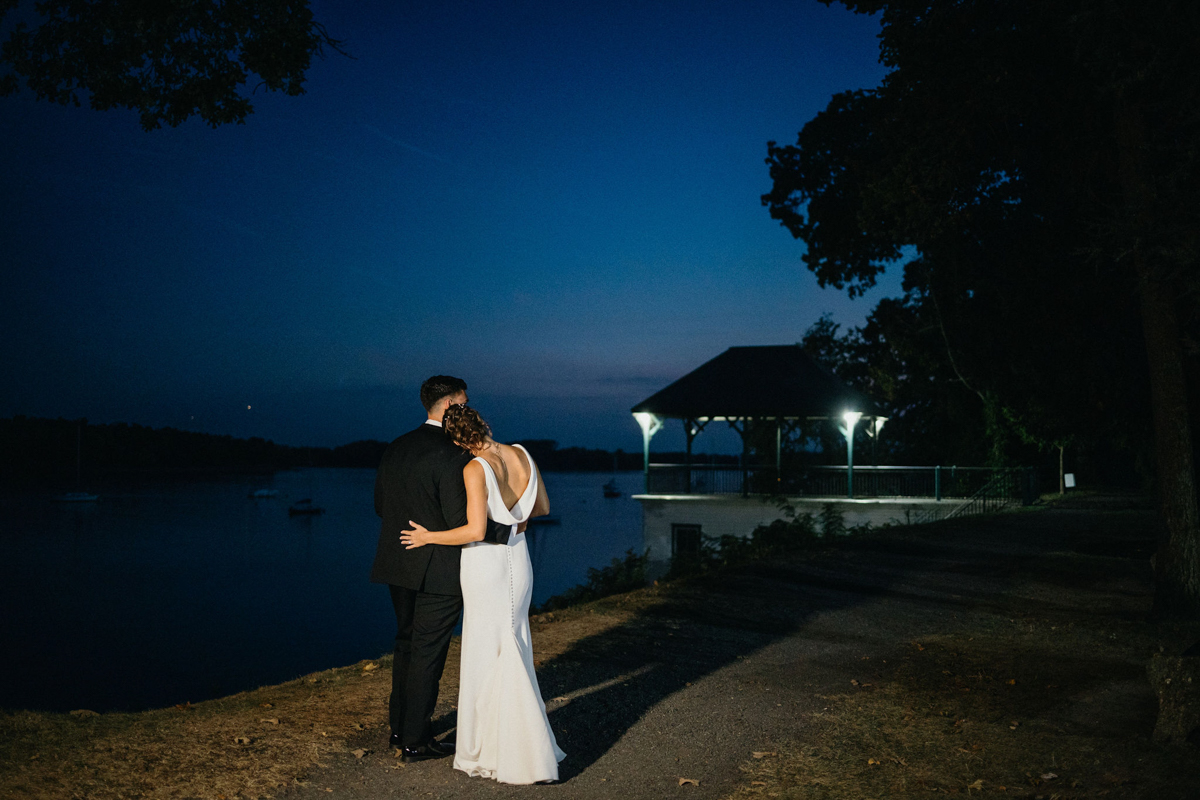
503	731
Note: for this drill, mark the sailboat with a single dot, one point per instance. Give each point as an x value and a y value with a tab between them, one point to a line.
78	497
610	489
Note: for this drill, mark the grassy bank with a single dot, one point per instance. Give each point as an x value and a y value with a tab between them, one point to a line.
252	744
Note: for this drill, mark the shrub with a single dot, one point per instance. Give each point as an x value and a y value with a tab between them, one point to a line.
783	535
622	575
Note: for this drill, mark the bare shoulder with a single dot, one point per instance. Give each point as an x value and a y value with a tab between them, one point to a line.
519	455
473	469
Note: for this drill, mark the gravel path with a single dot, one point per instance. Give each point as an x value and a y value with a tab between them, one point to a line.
726	667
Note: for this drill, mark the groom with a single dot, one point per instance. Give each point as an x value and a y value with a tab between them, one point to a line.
420	479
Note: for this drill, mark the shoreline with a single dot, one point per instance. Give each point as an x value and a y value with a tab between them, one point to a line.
955	657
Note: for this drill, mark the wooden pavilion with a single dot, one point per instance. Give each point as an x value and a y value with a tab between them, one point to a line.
784	389
778	386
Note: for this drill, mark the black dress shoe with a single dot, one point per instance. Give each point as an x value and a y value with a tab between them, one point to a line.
424	752
394	741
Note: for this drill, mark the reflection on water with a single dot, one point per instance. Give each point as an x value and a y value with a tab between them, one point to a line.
166	592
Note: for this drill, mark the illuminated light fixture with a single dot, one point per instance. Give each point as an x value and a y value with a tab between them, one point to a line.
650	425
851	418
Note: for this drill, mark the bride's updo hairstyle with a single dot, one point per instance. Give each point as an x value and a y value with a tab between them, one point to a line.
465	426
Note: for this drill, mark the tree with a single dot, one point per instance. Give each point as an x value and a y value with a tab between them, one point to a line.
167	59
1041	156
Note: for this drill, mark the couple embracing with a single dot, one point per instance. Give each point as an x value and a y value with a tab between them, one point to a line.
453	538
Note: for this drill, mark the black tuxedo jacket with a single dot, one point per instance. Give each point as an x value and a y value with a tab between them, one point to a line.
420	478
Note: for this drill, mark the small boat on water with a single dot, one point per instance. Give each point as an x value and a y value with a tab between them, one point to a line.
304	508
611	490
77	497
259	494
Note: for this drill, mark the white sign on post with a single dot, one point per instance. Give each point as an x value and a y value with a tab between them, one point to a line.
1069	480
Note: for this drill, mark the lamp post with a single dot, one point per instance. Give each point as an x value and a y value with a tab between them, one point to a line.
650	425
851	418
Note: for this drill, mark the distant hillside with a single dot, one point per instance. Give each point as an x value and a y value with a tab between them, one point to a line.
46	450
35	449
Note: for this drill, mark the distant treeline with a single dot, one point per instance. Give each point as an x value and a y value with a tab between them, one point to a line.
34	449
54	449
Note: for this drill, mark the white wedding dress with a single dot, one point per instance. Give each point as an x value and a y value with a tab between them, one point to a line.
503	732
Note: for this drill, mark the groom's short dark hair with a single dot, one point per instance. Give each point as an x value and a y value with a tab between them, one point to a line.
440	386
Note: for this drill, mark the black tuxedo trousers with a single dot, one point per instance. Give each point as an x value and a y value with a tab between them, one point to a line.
420	479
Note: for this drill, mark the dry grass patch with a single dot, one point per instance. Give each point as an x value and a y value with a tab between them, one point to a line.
1010	714
249	745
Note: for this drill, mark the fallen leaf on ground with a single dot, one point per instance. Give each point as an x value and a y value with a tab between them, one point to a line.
1048	776
359	753
270	720
853	682
358	726
266	705
871	761
758	783
242	740
763	753
692	781
977	786
369	667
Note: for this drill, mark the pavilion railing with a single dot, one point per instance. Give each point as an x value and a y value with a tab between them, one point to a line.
1006	487
868	482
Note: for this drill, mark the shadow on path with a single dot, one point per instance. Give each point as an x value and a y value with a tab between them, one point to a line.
806	616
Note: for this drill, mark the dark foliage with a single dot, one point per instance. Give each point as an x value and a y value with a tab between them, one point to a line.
1041	159
622	575
789	533
52	450
167	59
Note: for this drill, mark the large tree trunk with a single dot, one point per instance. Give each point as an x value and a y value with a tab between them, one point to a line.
1177	565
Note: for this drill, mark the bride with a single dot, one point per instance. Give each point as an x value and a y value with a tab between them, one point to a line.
503	732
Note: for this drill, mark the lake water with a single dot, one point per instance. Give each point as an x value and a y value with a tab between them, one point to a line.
165	592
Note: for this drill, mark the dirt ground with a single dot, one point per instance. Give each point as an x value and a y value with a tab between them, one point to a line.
1001	657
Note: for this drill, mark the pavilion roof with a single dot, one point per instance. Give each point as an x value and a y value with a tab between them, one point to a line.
774	381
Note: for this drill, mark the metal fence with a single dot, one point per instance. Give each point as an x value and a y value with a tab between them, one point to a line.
1019	484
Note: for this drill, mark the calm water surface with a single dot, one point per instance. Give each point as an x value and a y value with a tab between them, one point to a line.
171	591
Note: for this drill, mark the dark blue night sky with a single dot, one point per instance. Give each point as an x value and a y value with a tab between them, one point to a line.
558	202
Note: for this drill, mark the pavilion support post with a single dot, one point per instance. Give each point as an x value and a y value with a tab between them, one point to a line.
778	452
650	425
851	419
745	459
850	464
741	425
689	430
